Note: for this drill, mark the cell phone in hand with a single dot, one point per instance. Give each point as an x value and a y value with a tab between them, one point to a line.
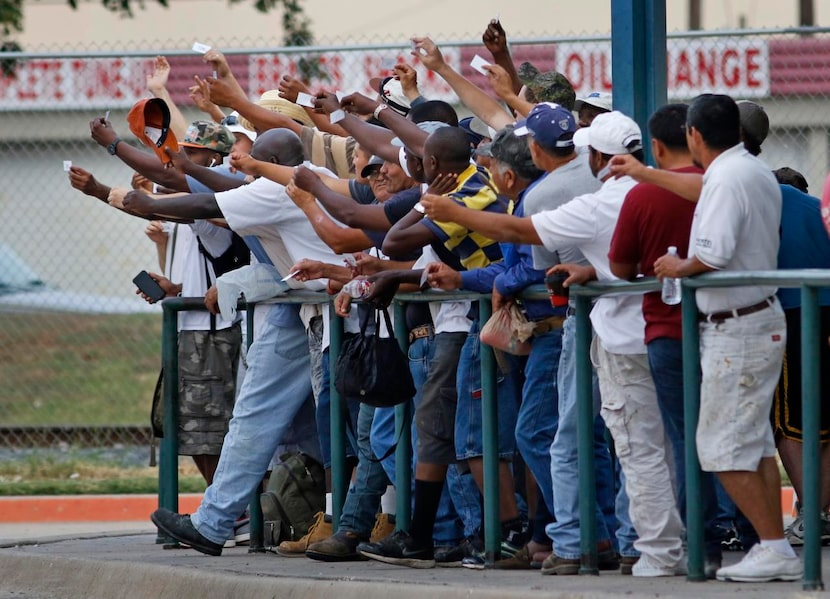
149	287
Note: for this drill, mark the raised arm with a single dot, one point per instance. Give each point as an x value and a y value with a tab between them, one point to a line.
344	209
482	105
210	177
291	86
495	40
282	174
341	240
408	132
200	94
157	85
498	227
374	139
224	94
191	205
686	185
145	163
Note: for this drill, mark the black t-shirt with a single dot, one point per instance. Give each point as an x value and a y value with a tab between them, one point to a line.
396	207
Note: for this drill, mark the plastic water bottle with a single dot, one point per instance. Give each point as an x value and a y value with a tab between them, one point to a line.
357	288
671	287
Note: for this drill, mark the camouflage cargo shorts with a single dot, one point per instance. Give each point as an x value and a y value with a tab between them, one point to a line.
207	383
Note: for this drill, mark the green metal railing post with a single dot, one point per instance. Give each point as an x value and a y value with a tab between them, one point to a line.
490	435
403	432
339	479
585	440
691	408
257	543
811	408
169	446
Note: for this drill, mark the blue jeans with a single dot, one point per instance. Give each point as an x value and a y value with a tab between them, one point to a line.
665	360
469	441
565	471
539	412
324	415
275	398
370	482
459	513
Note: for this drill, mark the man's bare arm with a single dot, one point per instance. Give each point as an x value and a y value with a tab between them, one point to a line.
344	209
498	227
686	185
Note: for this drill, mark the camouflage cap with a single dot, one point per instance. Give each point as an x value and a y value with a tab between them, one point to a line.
209	135
550	86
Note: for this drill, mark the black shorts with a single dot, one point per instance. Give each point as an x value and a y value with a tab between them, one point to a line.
786	408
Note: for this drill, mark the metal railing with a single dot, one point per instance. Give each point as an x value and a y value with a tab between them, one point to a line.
808	280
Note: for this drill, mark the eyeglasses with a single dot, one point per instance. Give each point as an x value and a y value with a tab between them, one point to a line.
230	120
373	175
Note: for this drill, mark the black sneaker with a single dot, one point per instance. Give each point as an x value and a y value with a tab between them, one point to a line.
400	549
179	527
452	557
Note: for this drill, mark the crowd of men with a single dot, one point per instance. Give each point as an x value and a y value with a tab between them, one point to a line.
396	189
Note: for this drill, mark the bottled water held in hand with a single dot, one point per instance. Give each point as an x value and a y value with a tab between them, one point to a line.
357	288
671	287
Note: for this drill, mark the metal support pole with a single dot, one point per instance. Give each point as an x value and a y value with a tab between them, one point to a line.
691	409
811	410
490	433
339	478
585	440
257	543
638	59
169	446
403	432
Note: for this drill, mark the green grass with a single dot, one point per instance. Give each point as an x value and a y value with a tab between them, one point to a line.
70	369
75	472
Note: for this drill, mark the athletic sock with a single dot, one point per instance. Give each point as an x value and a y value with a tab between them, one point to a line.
780	546
427	498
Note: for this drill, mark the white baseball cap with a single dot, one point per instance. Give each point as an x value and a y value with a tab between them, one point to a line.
611	133
601	100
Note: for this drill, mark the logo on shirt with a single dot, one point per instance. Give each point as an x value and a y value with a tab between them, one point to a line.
704	243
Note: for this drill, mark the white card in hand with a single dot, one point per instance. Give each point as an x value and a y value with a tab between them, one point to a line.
349	260
304	99
478	63
290	275
340	95
200	48
337	116
67	164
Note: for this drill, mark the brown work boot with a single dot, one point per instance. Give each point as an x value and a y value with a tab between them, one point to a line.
627	564
560	566
521	560
320	529
384	526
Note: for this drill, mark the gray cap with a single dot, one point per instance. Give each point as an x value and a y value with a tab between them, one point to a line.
374	162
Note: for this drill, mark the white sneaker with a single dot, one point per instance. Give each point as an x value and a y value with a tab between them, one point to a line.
763	564
648	567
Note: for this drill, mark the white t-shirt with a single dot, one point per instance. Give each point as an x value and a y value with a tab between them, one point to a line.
447	317
587	222
185	264
556	188
735	226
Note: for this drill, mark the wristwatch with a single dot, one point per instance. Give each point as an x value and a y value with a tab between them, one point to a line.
378	109
112	147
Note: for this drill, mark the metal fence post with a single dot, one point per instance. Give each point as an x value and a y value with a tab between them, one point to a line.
691	408
490	435
257	543
811	409
403	433
169	446
585	440
339	478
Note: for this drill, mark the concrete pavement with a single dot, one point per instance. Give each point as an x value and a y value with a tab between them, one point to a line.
121	560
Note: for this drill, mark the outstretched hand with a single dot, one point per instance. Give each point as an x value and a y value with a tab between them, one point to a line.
494	38
357	103
578	274
428	53
157	80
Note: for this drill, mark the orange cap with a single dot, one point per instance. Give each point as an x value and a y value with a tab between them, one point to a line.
149	121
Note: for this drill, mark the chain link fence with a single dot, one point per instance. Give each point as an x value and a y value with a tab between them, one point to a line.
79	351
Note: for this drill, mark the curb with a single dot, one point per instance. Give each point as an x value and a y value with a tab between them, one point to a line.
86	508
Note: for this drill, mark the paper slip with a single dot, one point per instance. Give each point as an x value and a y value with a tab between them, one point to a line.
290	275
478	63
387	64
419	207
340	95
304	99
349	260
67	164
107	116
424	284
200	48
337	116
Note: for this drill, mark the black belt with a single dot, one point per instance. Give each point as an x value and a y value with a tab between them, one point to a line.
422	331
717	317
